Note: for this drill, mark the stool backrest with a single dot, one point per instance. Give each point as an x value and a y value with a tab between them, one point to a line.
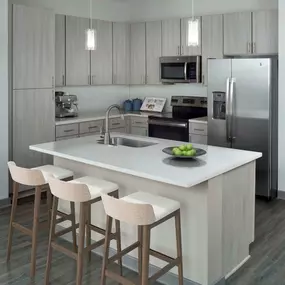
26	176
73	192
131	213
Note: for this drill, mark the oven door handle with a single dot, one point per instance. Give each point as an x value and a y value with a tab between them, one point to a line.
168	124
185	70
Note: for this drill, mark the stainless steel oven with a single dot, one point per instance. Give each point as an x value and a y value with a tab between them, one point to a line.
180	69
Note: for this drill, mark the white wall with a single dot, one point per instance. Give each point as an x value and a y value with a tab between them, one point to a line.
159	9
4	99
112	10
281	95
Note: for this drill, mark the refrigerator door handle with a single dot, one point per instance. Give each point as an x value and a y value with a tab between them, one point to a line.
232	102
228	108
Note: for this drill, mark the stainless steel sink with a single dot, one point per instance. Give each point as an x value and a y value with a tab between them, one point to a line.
128	142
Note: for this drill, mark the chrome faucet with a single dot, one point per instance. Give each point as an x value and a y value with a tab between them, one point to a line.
107	137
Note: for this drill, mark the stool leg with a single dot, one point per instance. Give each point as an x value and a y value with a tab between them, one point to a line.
179	246
12	218
140	236
49	206
51	239
35	230
119	244
80	254
145	255
72	211
88	229
106	249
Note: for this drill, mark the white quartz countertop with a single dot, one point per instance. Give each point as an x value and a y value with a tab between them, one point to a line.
149	162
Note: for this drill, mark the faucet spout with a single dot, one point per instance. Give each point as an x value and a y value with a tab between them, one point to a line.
107	137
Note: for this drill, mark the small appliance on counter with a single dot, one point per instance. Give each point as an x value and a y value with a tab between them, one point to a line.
65	105
137	103
128	106
132	105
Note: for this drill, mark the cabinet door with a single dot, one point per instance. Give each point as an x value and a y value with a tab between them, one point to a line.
265	32
138	58
153	51
33	47
77	58
185	49
33	123
121	53
212	41
60	50
101	58
237	33
171	37
139	131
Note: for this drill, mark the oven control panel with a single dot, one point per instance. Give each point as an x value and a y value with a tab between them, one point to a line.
189	101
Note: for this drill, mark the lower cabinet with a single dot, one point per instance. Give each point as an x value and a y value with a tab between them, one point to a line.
139	131
119	130
198	139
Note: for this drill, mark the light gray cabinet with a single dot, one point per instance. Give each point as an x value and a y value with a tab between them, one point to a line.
237	33
33	123
171	37
139	131
265	32
101	58
138	51
198	139
33	47
60	50
212	41
77	58
153	51
121	53
185	49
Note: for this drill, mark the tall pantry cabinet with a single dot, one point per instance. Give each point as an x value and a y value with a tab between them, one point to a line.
33	83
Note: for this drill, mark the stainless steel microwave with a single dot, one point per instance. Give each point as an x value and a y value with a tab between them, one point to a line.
180	69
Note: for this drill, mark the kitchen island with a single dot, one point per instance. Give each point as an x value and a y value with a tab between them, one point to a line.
216	192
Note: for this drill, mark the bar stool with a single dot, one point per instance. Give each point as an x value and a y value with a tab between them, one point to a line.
36	177
86	191
145	211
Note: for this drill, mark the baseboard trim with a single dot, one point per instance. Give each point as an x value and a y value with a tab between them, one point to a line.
281	195
5	203
237	267
131	263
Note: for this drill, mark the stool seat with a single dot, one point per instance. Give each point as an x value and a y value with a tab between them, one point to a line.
162	206
57	172
96	186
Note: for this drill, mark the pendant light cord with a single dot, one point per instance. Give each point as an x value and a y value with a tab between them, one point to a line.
90	7
193	10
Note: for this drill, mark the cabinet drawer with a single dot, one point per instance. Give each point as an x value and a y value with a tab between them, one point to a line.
199	129
66	138
90	127
198	139
139	122
116	123
67	130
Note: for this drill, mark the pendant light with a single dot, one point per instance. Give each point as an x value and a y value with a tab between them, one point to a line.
91	34
193	30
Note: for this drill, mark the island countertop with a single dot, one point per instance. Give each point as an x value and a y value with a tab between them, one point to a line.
150	162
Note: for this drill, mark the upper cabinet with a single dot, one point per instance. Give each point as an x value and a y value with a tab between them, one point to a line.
265	32
33	47
185	48
212	41
77	58
121	53
138	40
153	51
171	43
237	33
101	58
59	50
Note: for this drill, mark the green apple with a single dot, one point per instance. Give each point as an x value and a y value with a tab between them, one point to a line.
182	147
189	146
178	152
175	149
193	152
189	153
184	152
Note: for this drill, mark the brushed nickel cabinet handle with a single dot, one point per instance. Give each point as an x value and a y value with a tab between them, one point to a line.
63	80
68	131
248	47
178	50
254	48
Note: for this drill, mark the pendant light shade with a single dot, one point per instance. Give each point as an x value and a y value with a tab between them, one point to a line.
91	34
90	39
193	38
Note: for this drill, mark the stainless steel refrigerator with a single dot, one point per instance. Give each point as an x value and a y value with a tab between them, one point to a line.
243	113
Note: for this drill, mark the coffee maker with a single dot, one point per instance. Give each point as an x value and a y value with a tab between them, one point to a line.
65	105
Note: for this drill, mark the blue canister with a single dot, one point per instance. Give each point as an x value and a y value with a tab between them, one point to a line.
137	103
128	106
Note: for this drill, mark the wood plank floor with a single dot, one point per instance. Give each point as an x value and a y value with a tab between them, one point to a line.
266	266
